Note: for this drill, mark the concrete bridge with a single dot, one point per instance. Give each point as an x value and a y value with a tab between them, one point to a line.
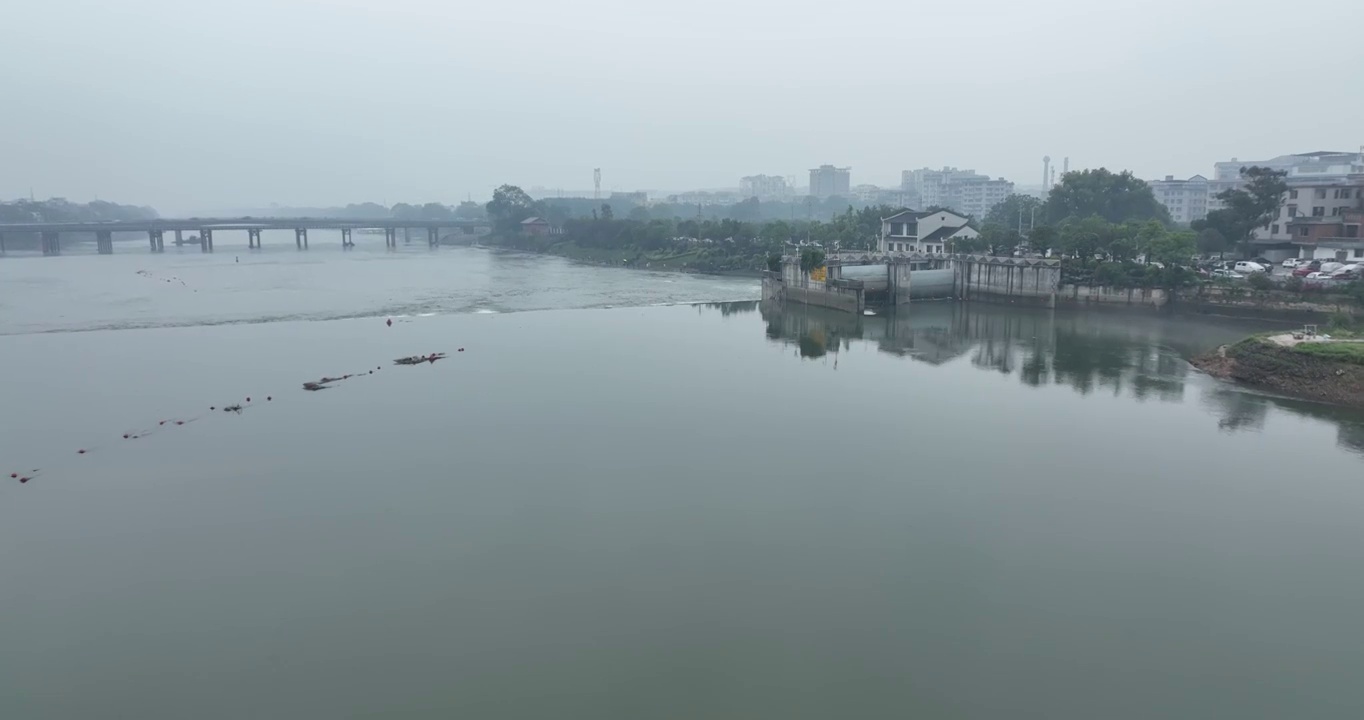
50	233
903	276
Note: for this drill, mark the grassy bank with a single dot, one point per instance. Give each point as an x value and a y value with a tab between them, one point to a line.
1346	352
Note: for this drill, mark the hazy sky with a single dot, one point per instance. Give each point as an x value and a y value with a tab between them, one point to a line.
196	105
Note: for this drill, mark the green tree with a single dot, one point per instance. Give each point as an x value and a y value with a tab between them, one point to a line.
1115	197
639	213
1083	238
811	258
999	239
1042	238
606	212
509	206
1172	248
776	232
1015	210
1247	208
1210	240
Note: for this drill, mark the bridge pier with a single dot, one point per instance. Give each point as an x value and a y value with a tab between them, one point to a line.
156	243
432	237
346	243
391	238
52	244
407	235
206	240
179	240
104	242
301	238
2	243
253	239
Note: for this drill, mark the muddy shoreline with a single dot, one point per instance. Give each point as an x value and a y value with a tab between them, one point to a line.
1265	365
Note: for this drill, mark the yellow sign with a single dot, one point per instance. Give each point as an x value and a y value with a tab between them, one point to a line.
818	274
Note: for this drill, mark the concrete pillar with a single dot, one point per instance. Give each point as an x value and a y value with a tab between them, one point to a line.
407	235
346	243
298	238
252	239
898	280
160	241
104	242
432	237
2	243
151	238
391	237
179	238
52	244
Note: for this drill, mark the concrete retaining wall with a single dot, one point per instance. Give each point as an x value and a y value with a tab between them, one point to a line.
1105	295
1005	280
1242	302
836	298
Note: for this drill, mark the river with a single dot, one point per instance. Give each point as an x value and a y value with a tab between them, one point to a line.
630	496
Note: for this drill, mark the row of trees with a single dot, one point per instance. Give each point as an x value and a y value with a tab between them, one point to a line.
1117	215
60	210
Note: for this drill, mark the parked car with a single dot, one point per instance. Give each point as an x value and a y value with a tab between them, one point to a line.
1227	274
1292	262
1307	268
1318	275
1349	272
1263	261
1248	266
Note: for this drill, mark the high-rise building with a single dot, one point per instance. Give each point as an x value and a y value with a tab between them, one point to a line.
828	181
965	191
1187	200
764	187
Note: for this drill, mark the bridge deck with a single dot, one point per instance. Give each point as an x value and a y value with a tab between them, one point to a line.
243	223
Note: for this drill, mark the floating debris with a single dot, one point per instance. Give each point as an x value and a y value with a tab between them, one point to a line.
323	383
419	359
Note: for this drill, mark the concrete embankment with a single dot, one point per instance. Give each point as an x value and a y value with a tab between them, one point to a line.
1286	369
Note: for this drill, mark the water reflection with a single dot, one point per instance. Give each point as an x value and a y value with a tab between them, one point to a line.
1140	356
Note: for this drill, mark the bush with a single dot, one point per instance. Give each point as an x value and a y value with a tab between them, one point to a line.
1293	284
1260	281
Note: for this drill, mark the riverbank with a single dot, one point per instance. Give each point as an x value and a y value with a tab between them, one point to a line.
1330	371
700	260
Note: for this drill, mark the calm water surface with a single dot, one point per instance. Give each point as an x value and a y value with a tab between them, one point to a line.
649	510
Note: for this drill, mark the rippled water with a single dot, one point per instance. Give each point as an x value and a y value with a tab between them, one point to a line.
135	289
719	510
